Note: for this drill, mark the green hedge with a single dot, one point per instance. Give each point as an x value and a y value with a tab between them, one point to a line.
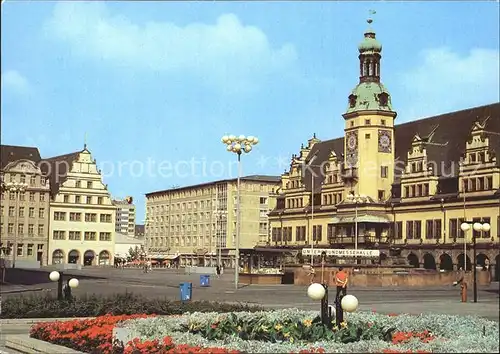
118	304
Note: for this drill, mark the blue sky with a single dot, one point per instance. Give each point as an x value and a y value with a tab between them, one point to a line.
155	85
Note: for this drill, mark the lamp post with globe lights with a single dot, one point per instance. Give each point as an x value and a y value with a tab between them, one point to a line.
58	277
17	188
478	227
238	145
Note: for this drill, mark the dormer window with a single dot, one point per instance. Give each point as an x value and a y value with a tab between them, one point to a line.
352	101
383	99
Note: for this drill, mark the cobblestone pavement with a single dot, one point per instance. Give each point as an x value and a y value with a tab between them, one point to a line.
165	284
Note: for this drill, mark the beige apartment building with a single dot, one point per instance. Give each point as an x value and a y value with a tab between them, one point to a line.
194	224
125	216
82	215
24	207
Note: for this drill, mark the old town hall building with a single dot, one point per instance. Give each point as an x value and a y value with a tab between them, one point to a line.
402	189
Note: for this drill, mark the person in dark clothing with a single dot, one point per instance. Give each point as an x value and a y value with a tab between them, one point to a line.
217	270
67	291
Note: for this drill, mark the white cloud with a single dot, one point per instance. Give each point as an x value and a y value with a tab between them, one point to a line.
13	81
226	52
447	81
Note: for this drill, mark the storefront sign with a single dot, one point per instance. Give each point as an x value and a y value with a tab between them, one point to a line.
340	252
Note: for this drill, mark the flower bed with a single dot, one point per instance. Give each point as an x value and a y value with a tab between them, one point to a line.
285	331
295	331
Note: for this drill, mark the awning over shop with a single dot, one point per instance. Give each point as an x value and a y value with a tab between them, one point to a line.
274	250
368	218
164	256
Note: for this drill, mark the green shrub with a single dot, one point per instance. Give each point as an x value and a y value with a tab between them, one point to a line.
119	304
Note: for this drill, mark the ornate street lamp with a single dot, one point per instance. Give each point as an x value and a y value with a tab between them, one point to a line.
478	227
238	145
17	188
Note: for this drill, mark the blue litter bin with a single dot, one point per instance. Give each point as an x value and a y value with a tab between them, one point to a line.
205	280
186	290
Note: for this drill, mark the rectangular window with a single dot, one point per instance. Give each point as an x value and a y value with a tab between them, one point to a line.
31	212
75	216
330	232
409	230
75	235
40	230
59	216
32	196
105	217
437	229
104	236
59	235
90	236
90	217
317	233
41	213
31	229
429	229
381	195
384	171
453	228
66	199
30	249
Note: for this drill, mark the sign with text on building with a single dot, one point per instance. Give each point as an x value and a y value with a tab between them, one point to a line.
340	252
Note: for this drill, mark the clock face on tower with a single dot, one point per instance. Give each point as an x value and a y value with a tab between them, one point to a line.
384	141
351	141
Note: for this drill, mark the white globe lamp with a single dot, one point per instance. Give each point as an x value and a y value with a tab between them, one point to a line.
54	276
465	226
316	291
477	226
486	227
73	283
349	303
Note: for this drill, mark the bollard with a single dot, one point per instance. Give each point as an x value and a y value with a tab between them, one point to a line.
325	312
339	311
60	286
463	291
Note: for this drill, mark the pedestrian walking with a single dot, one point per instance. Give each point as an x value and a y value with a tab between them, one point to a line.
217	271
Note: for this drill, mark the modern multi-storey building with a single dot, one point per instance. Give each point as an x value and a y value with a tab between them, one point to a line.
125	216
402	189
198	223
139	231
24	206
82	216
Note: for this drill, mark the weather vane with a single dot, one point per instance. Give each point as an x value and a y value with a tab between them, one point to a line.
371	12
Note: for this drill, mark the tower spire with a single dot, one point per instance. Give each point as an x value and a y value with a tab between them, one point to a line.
85	141
369	54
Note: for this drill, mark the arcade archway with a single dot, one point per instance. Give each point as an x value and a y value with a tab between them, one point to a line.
104	258
413	260
460	262
429	261
445	262
73	256
58	257
88	258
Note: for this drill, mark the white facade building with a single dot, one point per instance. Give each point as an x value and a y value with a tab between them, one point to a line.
82	216
125	216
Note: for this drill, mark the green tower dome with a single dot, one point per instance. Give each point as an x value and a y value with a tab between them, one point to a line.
370	43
